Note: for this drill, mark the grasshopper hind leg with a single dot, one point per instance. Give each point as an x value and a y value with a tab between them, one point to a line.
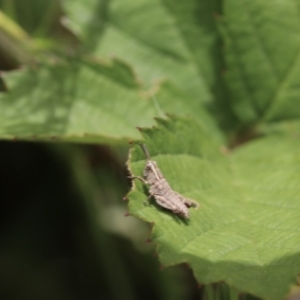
188	202
191	203
176	208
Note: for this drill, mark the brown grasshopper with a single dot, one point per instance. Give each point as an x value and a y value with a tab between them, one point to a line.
161	190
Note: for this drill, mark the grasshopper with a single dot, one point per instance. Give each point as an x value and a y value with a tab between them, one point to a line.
160	189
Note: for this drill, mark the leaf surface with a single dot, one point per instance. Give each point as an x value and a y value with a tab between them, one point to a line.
160	39
76	103
263	62
246	231
86	102
154	72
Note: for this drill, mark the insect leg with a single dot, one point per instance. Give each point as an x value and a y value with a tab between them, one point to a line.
145	182
138	177
176	208
148	200
188	202
191	203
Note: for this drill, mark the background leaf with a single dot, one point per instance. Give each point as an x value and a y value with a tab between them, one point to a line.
246	230
151	37
85	102
73	102
262	55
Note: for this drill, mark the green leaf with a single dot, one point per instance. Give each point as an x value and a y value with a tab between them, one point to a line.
159	39
262	54
73	103
86	101
246	231
36	17
86	19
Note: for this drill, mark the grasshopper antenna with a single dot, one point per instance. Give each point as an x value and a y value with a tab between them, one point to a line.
145	150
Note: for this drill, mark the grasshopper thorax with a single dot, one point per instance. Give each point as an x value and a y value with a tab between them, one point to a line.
151	172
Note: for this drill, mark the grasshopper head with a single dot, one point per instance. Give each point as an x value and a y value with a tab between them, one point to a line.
150	164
